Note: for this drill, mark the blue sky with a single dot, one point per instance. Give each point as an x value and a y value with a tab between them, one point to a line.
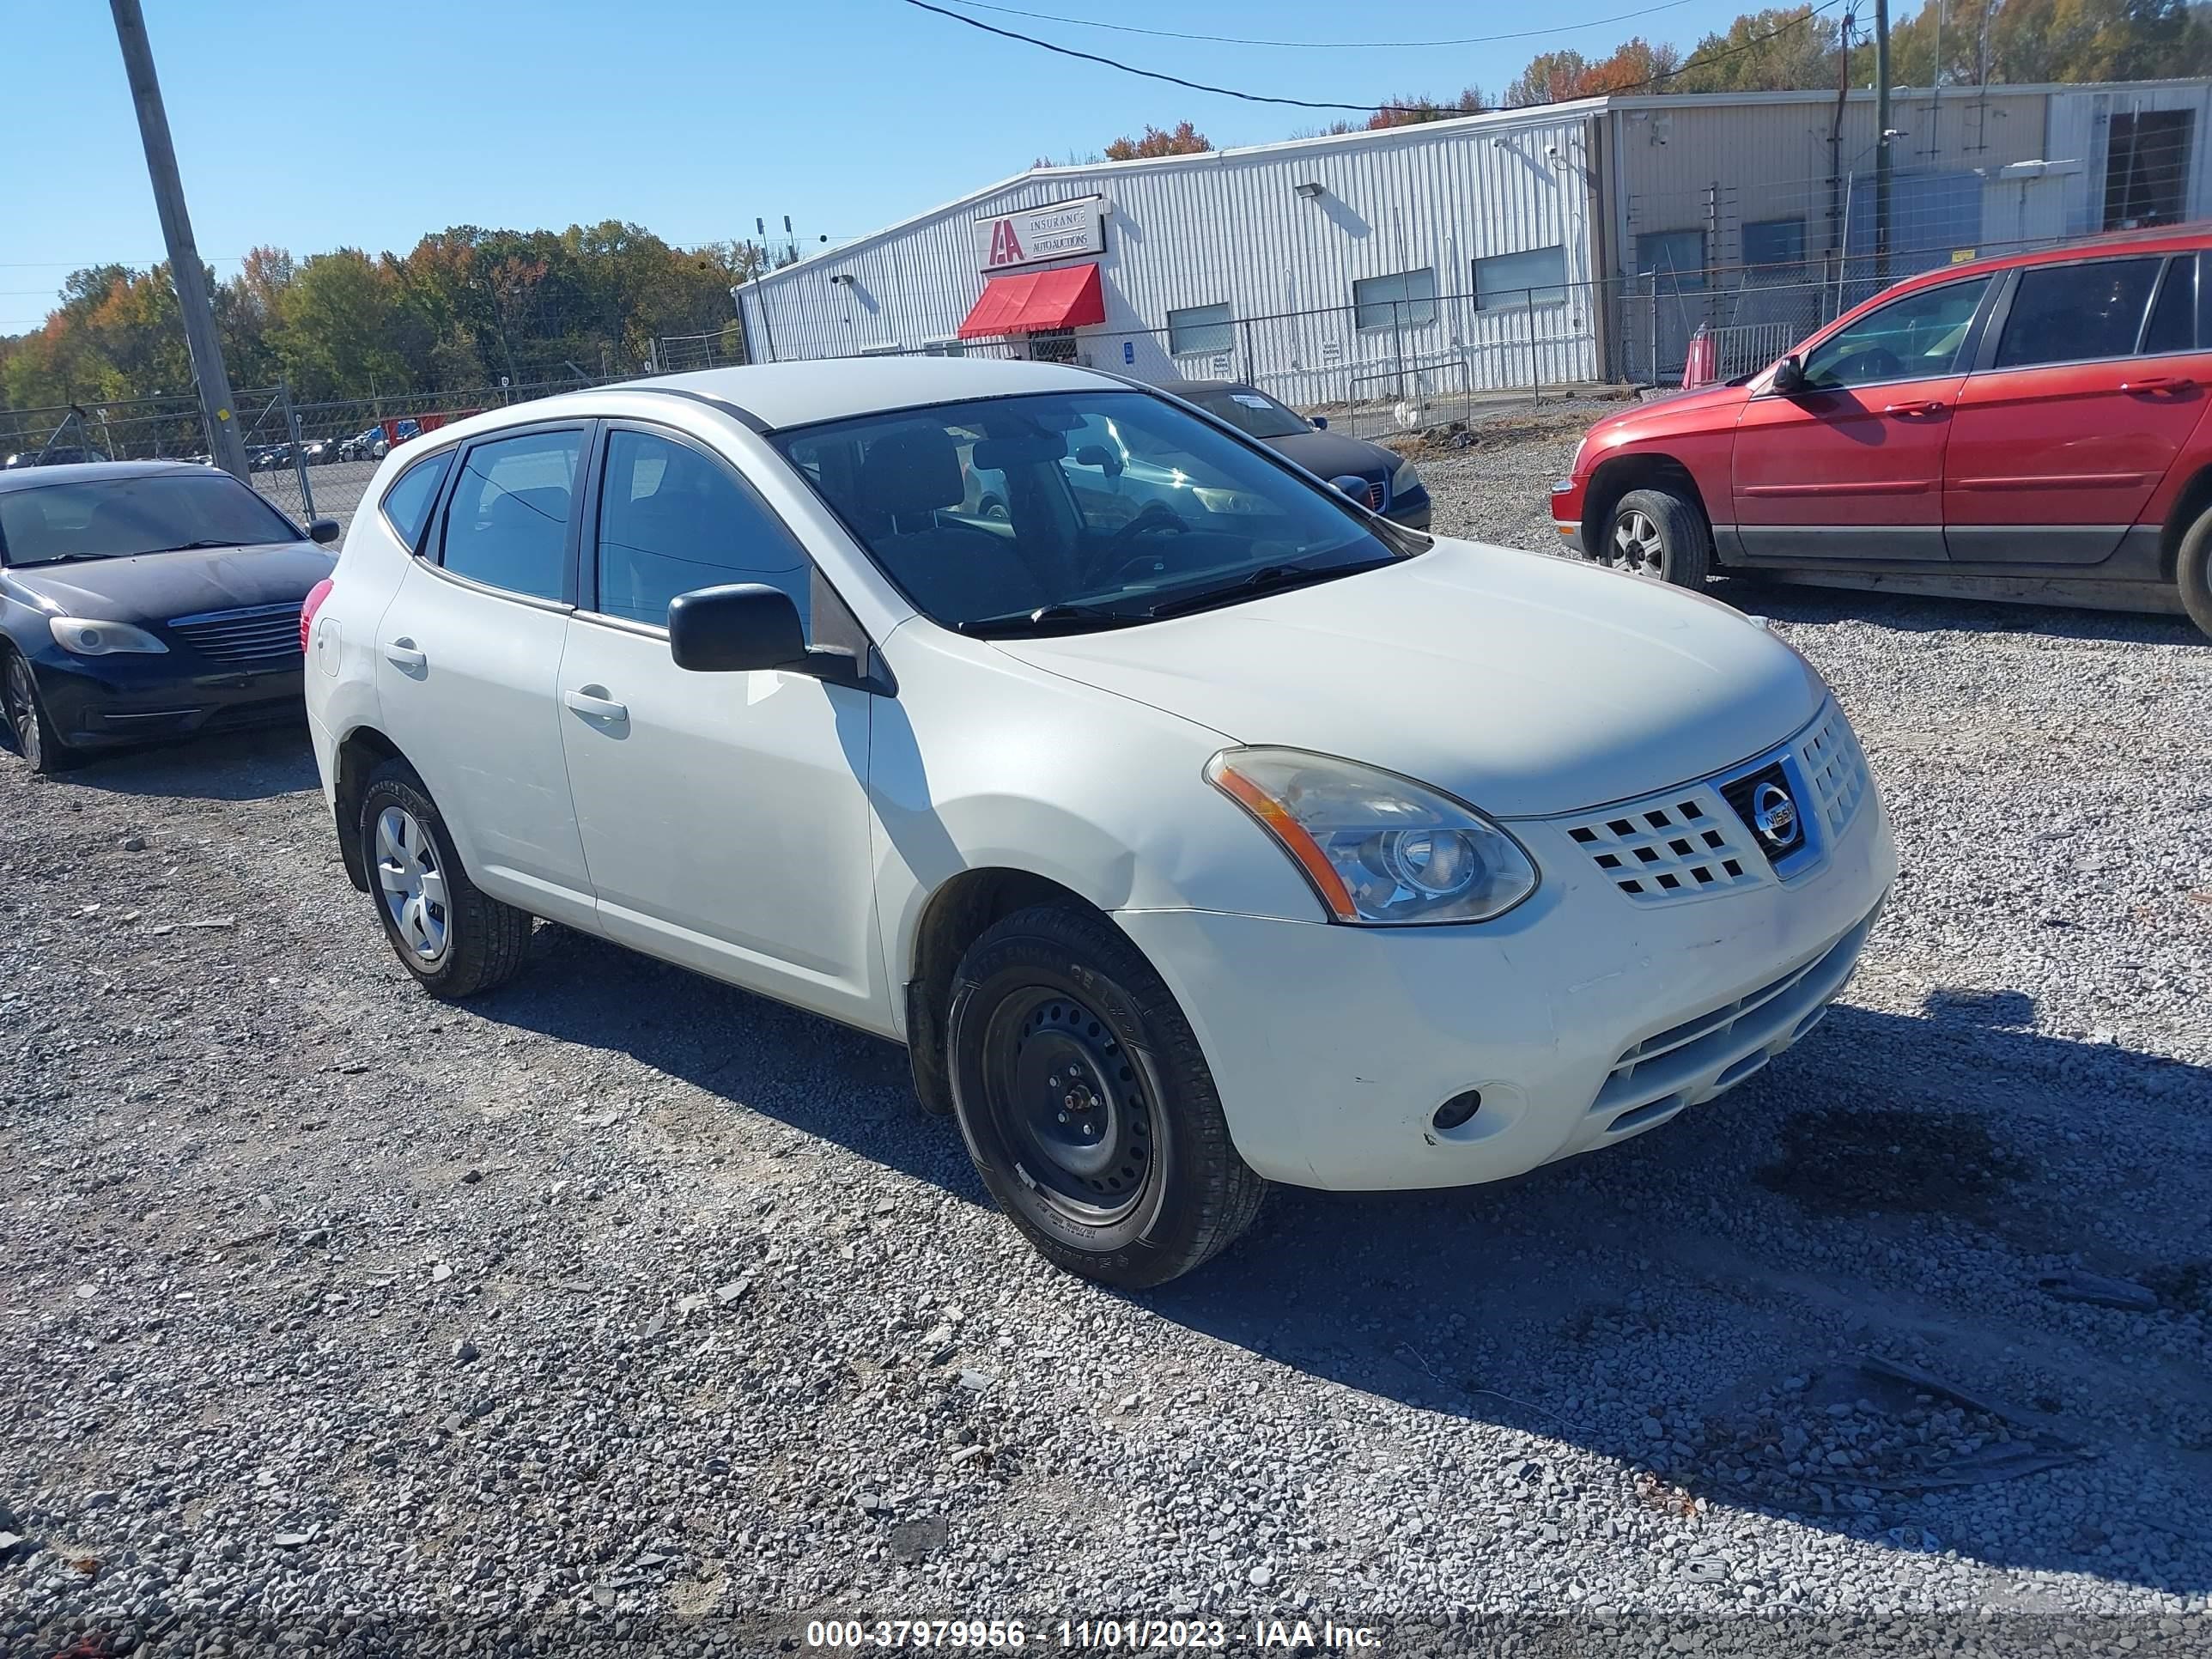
312	125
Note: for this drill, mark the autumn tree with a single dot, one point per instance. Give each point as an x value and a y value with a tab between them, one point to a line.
1181	139
1417	107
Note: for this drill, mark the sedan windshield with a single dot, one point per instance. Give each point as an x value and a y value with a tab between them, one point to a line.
117	518
1070	511
1248	410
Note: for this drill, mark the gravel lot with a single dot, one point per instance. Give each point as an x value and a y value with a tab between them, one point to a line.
623	1312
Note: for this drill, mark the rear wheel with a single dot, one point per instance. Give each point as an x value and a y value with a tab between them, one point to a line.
42	751
2192	571
1086	1105
1657	533
452	936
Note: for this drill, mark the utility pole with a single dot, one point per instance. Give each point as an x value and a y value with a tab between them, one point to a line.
1839	231
1881	141
185	270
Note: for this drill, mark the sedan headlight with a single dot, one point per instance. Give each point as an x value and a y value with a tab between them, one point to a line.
1405	478
1378	848
86	637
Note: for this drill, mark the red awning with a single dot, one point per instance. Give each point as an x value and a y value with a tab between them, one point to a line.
1067	298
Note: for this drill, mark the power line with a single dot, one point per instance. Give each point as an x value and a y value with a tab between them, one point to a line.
1693	62
1329	45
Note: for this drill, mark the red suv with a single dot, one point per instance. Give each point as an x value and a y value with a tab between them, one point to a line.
2029	427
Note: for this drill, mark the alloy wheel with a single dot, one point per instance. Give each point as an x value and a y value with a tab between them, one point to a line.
1635	545
23	712
1069	1103
413	885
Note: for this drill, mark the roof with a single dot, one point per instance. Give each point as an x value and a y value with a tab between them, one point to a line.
30	478
1897	94
830	389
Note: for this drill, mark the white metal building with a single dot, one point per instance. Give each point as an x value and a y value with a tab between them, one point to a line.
1576	242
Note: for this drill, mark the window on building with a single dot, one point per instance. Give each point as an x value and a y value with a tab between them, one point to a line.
1407	299
1673	259
1196	330
2146	167
1052	345
1774	248
2072	313
1537	276
672	520
509	524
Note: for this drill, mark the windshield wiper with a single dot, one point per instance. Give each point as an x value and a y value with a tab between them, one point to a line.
1267	579
193	547
1051	619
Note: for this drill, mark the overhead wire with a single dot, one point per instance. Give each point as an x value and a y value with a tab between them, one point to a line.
1326	45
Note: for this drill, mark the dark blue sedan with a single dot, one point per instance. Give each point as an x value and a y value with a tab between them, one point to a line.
147	600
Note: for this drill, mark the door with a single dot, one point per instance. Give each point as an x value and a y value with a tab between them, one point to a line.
2087	390
725	817
1850	465
467	656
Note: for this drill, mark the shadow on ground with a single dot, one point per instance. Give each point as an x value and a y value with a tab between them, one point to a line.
1499	1303
255	765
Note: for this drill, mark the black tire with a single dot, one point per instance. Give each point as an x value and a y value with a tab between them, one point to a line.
1658	533
481	941
28	723
2192	571
1051	986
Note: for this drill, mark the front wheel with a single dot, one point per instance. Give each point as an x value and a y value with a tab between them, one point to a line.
1086	1105
42	751
2192	571
452	936
1657	533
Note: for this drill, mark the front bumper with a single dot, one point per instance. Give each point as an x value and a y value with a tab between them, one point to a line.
100	702
1567	512
1584	1016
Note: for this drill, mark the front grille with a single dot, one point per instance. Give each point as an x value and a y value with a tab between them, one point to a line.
1379	491
1675	846
258	633
1742	796
1836	767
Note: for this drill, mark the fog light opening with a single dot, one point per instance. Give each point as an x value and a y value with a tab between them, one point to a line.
1457	1111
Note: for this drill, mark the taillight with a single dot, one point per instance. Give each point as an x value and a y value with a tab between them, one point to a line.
311	605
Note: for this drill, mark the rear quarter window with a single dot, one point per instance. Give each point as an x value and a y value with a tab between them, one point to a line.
406	506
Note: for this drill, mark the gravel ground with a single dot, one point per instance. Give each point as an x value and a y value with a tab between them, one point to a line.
620	1311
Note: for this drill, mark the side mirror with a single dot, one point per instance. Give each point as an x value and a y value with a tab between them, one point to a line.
324	531
1099	456
727	629
1320	423
1351	484
1789	377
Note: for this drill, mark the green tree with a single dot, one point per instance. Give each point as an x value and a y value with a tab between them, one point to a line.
1181	139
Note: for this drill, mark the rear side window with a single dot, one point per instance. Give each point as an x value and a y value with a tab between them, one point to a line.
2174	315
2076	314
672	520
407	504
508	524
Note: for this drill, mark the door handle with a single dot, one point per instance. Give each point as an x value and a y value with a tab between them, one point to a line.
587	702
2158	383
1907	411
402	653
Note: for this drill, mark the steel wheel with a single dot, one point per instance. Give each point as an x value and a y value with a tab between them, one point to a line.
1069	1105
23	713
414	886
1636	547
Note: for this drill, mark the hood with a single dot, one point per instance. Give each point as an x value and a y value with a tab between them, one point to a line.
1526	685
1669	410
155	587
1331	454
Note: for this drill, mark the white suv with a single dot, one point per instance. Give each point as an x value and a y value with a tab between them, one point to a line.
1186	844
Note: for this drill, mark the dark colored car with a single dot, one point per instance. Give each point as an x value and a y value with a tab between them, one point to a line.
144	599
1392	485
59	455
367	444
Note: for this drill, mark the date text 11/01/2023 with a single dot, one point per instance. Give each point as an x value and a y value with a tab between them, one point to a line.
1103	1635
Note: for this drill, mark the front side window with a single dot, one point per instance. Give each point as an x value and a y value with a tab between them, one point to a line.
123	517
508	524
1197	330
1407	299
407	504
1922	334
672	520
1070	511
1673	259
1537	277
2073	314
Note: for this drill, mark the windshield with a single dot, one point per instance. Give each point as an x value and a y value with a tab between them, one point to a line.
1248	410
115	518
1074	510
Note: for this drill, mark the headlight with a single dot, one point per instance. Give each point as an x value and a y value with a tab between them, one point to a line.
1378	849
1404	477
87	638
